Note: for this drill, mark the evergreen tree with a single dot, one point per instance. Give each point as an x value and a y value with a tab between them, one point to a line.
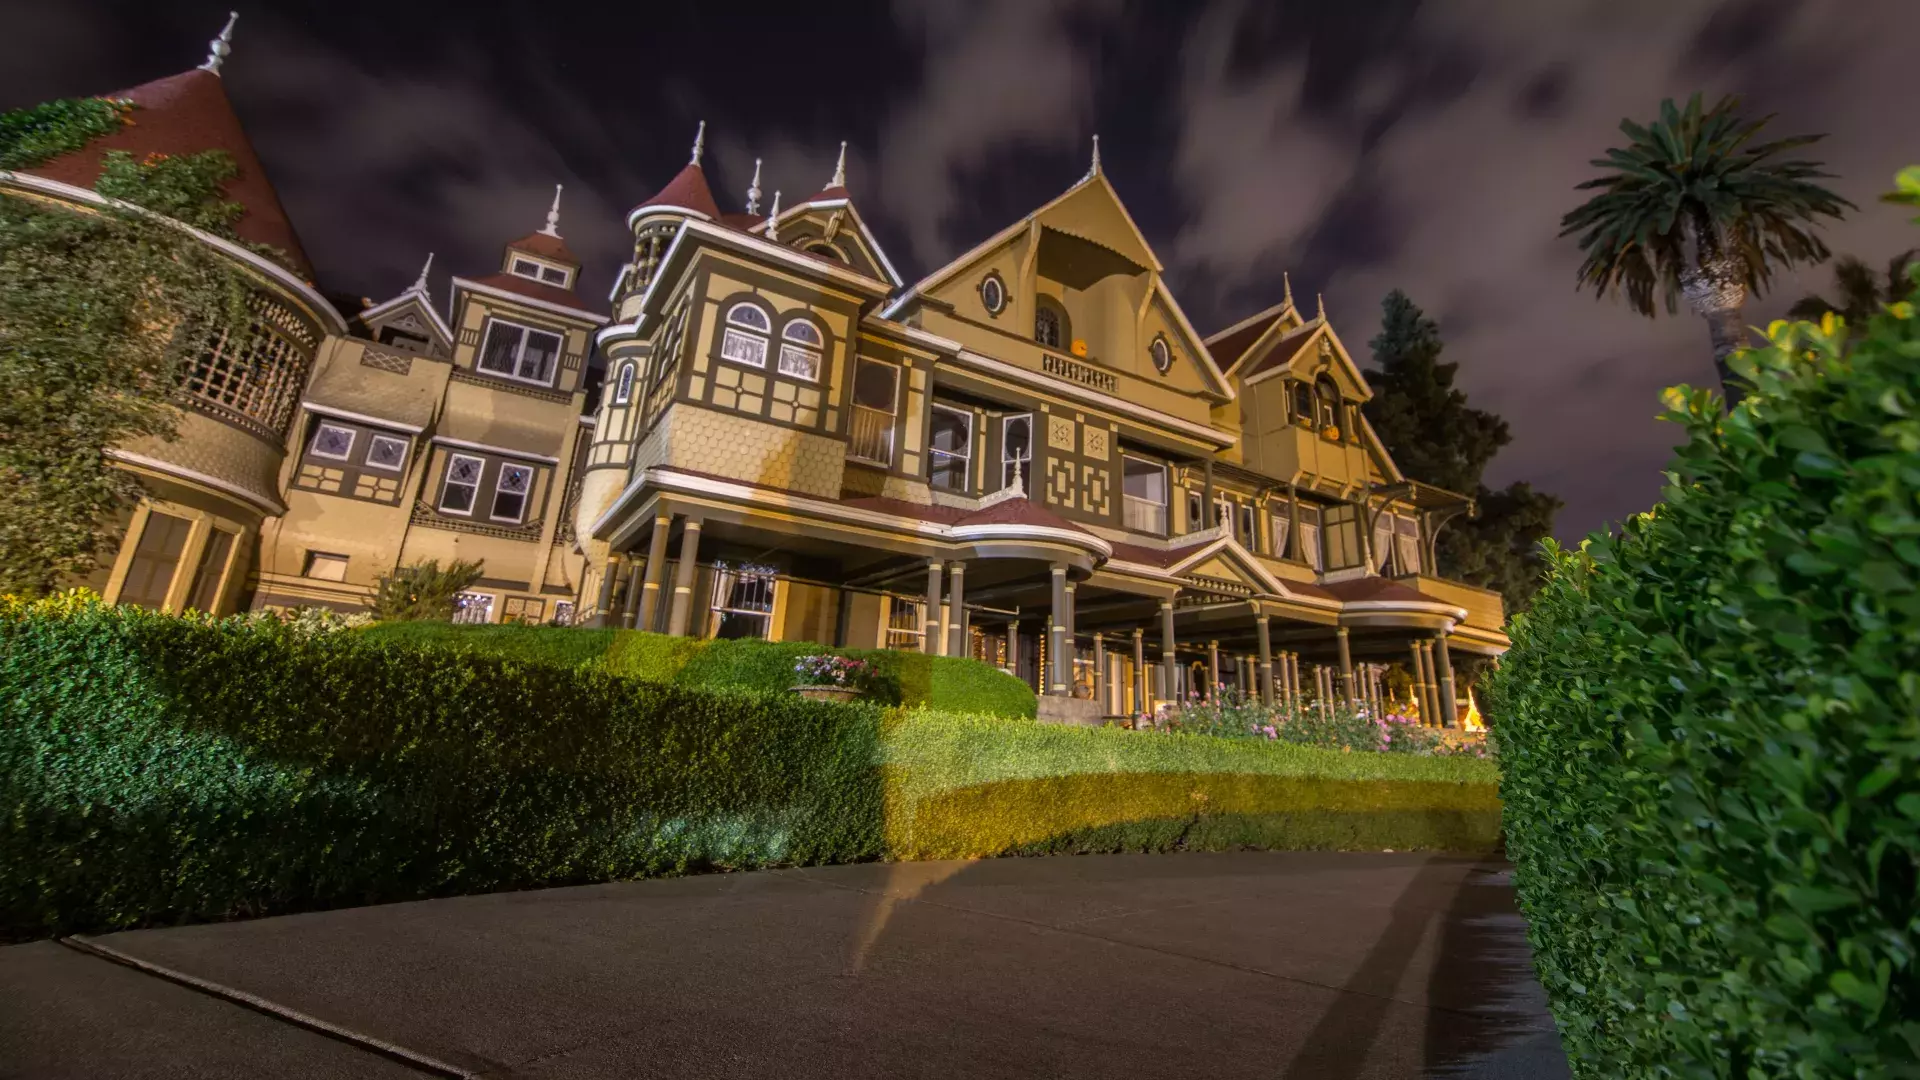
1435	437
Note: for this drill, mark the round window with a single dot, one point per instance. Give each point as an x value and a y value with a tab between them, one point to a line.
1161	354
993	294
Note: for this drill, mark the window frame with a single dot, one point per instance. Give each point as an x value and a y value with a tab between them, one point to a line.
375	438
892	413
1159	345
324	426
526	497
1196	511
816	350
1166	490
465	601
1026	476
966	458
729	577
446	482
999	286
733	329
329	557
623	385
519	356
1249	524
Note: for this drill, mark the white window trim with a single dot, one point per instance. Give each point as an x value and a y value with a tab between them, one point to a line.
966	472
998	286
540	266
892	411
484	600
375	441
1159	345
623	385
764	330
1026	474
812	356
558	353
526	496
446	481
313	448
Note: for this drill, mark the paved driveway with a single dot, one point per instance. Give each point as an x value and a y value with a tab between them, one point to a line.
1247	964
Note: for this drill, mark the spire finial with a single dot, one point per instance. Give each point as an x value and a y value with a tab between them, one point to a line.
1287	282
1322	297
773	218
1094	169
753	189
553	214
840	168
420	283
699	142
219	47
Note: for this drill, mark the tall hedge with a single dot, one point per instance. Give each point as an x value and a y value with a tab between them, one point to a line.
1710	737
157	768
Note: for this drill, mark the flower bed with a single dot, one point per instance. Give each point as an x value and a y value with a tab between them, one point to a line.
1235	715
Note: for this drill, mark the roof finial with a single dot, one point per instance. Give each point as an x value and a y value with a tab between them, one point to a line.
699	142
219	47
1287	283
840	168
1322	297
753	189
1094	170
553	214
420	283
773	218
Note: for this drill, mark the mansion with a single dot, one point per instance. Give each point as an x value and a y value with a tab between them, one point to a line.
1029	455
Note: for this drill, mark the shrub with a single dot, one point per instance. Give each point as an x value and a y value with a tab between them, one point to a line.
1239	716
1710	736
423	590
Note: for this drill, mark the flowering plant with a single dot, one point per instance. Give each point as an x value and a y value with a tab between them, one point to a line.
828	670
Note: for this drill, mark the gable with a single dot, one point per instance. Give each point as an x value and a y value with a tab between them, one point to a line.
1193	370
1225	560
411	315
1306	353
1091	210
837	223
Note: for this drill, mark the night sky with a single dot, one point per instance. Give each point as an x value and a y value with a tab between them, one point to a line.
1361	146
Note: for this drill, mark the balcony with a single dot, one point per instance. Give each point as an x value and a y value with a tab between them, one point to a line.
1144	515
1485	608
872	436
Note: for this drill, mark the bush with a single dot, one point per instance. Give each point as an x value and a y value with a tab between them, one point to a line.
157	768
1710	736
1234	715
423	590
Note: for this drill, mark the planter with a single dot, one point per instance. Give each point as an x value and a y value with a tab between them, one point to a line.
841	694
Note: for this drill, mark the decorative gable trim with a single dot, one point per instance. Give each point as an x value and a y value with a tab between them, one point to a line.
379	311
1240	559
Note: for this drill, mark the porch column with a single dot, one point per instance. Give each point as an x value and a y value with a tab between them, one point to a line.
957	609
1445	664
1346	667
1069	649
1419	672
656	572
609	573
1056	628
1100	674
1167	658
1289	682
1013	646
1326	690
1433	682
1213	671
632	598
1261	625
930	625
1140	670
682	608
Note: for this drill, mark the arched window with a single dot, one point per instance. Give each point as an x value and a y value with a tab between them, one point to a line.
800	345
826	251
745	341
1046	326
1327	404
623	388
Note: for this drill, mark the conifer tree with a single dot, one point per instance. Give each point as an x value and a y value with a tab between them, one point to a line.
1435	437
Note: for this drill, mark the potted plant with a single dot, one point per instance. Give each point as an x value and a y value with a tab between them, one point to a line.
830	678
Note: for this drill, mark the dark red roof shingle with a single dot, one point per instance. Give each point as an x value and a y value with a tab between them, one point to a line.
534	290
689	191
546	246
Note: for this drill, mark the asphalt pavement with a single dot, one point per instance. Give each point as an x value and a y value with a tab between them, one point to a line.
1278	965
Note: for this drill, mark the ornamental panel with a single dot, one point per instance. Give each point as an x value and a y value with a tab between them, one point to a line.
1060	433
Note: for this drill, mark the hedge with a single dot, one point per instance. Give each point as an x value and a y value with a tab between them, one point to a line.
903	678
158	769
1710	736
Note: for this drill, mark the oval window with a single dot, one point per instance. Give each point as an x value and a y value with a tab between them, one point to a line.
1161	354
993	294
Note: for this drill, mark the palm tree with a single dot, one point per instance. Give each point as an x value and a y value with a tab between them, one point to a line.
1861	293
1691	209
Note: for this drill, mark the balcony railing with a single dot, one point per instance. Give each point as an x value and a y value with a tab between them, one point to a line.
872	436
1145	515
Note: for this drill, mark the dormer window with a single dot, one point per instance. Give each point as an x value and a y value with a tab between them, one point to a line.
800	347
1327	405
1046	327
745	341
538	271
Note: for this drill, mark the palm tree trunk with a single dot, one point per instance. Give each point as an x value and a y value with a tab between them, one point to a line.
1716	289
1728	329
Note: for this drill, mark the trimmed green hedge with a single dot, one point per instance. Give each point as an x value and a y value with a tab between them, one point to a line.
158	769
1710	737
903	678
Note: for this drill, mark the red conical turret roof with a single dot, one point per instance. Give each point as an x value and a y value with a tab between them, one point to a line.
687	191
187	114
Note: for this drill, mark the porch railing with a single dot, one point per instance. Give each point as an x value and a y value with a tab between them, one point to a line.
872	436
1145	515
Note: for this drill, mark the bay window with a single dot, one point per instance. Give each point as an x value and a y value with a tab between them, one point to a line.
519	352
745	338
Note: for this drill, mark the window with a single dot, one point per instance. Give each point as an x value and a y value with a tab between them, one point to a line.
461	485
211	574
1046	327
825	251
742	600
903	623
993	294
1249	527
1406	544
1161	354
1302	404
523	609
1310	536
519	352
1340	537
950	448
510	490
324	567
1281	522
155	558
1327	400
876	388
1196	514
563	613
553	275
1145	505
473	607
800	345
402	340
386	452
1016	450
745	341
526	268
332	441
623	387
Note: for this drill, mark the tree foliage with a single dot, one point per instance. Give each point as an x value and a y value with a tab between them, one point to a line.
1435	437
42	132
1861	291
423	590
